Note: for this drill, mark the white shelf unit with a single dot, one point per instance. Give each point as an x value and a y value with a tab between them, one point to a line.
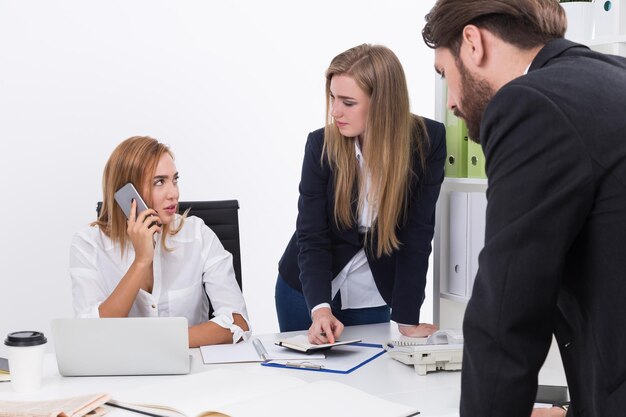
614	45
609	44
449	309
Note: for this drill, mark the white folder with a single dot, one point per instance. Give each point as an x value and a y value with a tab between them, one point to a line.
457	262
476	213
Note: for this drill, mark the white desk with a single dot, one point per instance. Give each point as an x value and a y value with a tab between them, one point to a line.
436	394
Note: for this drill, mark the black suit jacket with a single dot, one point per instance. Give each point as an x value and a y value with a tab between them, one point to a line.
554	259
319	249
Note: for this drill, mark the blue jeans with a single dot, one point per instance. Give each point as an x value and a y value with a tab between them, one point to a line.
293	313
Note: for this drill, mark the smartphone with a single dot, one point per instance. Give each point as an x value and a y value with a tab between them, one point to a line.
552	394
124	197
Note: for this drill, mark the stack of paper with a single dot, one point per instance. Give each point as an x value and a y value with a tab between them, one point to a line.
67	407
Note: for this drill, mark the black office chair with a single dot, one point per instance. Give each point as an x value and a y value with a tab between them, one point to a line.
223	218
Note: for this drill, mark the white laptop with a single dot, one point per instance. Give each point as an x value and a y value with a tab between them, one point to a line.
121	346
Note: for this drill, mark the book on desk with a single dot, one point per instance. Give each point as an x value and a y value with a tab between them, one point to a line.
234	393
227	393
301	343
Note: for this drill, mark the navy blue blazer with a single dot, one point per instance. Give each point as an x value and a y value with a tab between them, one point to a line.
320	249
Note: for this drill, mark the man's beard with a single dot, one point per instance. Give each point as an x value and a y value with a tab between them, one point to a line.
475	95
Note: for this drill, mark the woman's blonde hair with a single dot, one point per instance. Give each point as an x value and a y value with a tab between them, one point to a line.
134	160
391	136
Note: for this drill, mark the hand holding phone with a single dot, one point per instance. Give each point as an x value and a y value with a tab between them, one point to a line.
125	196
143	222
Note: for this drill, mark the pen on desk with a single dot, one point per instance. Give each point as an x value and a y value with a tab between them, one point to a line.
303	365
260	349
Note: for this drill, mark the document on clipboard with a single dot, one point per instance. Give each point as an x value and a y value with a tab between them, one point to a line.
340	360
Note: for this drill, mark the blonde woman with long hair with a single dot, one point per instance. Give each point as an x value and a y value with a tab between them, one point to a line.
158	262
366	212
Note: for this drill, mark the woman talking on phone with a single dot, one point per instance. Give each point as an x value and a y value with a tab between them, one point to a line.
157	262
366	212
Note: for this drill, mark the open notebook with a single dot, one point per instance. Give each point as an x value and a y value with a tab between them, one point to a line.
232	393
301	343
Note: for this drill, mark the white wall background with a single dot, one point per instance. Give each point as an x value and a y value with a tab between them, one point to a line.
232	86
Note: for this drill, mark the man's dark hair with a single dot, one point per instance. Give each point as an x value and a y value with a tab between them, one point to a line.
523	23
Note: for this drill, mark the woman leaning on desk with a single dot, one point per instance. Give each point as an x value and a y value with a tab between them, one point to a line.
162	263
366	212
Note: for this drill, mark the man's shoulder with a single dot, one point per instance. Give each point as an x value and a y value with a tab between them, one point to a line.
577	72
575	65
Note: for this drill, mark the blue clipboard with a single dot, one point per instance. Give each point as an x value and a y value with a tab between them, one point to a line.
339	360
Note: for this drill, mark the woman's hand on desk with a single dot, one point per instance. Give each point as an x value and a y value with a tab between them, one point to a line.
419	330
210	333
325	328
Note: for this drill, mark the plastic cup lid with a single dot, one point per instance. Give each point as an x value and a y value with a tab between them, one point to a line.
25	338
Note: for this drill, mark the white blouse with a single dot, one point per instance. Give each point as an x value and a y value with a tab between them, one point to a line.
197	266
355	282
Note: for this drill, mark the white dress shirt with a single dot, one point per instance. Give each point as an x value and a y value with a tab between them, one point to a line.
198	265
355	282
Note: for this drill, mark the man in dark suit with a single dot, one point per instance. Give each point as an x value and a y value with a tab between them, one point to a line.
551	117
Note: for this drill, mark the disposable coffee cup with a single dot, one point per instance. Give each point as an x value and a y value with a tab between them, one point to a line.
26	351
